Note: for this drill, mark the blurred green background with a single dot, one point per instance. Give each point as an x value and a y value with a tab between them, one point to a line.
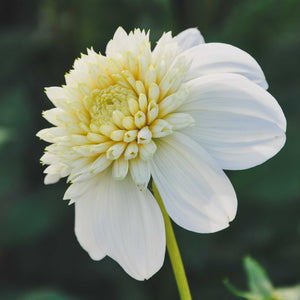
39	255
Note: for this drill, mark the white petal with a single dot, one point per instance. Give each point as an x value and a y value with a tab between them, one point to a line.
130	225
237	122
197	194
189	38
140	172
51	178
84	212
214	58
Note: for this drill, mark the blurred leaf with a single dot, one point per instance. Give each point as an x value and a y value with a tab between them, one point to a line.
291	293
260	285
258	281
246	295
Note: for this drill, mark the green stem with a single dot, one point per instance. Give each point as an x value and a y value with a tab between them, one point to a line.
173	250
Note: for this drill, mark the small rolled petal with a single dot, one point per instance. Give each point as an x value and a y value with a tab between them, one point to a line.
85	129
133	106
160	128
173	78
130	135
153	93
115	151
147	150
128	123
140	88
120	80
76	190
114	67
117	135
72	92
94	71
120	168
50	134
152	112
143	63
55	92
91	150
171	102
140	172
51	178
51	116
107	129
83	116
118	117
150	77
129	77
139	119
97	138
54	168
143	102
76	139
84	89
180	120
131	150
103	81
81	177
100	164
130	62
49	158
144	135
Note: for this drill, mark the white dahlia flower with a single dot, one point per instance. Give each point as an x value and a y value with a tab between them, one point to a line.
179	114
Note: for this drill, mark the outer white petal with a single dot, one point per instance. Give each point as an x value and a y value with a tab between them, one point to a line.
130	225
214	58
197	194
84	211
189	38
237	122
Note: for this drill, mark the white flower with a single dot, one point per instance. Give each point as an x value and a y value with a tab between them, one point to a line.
180	113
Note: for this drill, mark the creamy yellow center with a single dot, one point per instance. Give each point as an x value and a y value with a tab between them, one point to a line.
104	102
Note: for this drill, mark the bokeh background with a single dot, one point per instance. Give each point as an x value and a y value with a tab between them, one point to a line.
39	255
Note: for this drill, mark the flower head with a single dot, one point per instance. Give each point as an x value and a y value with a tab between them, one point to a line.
180	113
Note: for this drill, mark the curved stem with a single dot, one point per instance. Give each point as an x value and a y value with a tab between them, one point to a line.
173	250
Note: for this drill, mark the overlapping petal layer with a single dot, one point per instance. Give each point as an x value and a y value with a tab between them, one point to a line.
237	122
197	194
216	58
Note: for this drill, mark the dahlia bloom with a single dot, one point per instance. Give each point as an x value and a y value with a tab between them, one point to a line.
179	114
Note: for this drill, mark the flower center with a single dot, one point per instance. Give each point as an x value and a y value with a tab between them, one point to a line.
104	102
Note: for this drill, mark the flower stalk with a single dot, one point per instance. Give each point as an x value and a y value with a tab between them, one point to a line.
173	250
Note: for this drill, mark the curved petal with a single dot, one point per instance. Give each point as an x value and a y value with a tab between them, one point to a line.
214	58
237	122
189	38
197	194
129	223
84	210
133	42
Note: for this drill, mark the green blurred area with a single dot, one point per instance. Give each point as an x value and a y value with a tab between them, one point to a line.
39	255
